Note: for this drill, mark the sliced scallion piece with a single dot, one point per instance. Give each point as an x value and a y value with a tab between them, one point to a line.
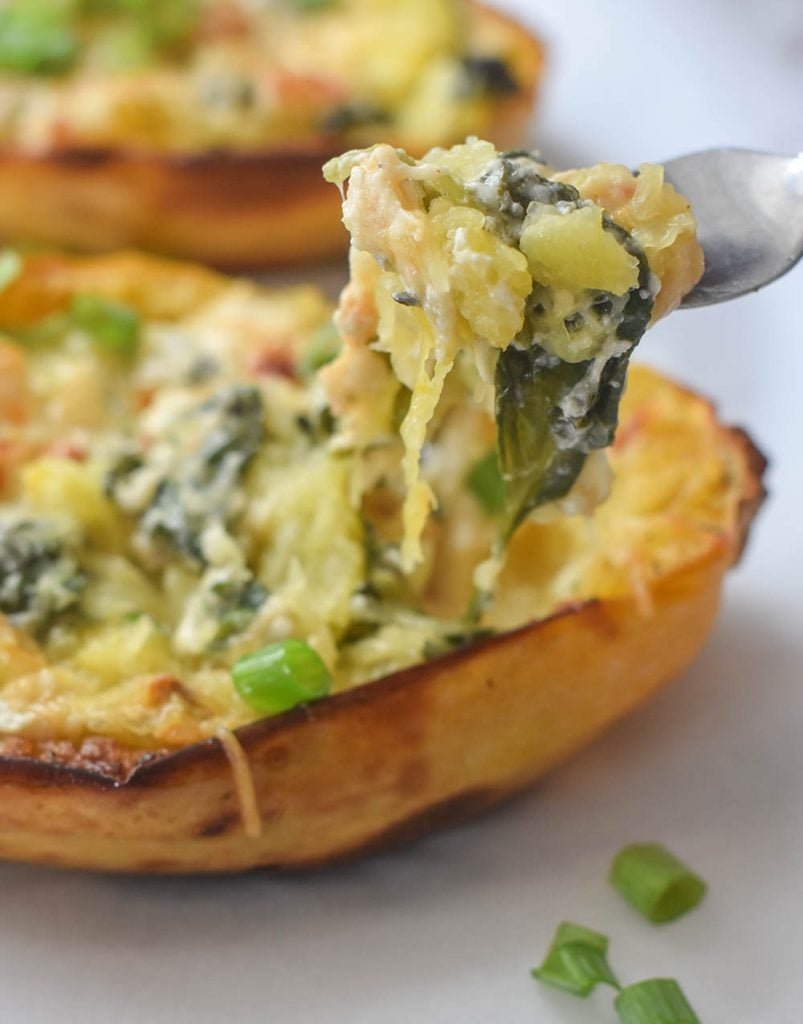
36	42
655	1001
322	347
484	480
111	324
311	5
576	961
280	676
655	882
10	267
124	47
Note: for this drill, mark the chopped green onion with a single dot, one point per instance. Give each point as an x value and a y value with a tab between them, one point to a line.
655	882
124	47
111	324
32	42
484	480
280	676
10	267
310	5
167	22
322	347
576	961
656	1001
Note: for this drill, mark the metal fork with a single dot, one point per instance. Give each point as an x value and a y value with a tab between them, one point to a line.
749	209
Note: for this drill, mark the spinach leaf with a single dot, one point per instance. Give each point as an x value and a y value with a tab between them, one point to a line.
552	412
235	605
487	76
170	520
348	116
38	580
484	481
197	466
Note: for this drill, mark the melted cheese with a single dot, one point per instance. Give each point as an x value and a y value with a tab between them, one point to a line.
255	74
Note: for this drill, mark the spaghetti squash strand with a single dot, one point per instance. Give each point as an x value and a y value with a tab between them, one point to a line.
243	782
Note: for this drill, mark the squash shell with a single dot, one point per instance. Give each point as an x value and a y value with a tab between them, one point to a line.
235	210
380	764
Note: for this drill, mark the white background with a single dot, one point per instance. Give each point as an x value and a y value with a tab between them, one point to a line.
446	931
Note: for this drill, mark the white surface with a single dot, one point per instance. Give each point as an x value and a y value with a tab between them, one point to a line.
445	932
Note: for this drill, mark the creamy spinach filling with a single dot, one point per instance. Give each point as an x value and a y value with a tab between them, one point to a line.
189	478
559	382
540	285
40	580
185	494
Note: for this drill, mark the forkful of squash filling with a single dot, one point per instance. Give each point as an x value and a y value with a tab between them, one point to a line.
531	287
217	502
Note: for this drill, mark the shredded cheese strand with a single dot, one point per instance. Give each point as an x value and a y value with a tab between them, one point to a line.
243	783
420	498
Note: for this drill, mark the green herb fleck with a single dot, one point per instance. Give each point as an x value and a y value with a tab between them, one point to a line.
112	325
322	347
11	264
309	6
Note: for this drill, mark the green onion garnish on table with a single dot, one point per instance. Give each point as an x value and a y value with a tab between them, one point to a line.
655	1001
655	882
280	676
576	961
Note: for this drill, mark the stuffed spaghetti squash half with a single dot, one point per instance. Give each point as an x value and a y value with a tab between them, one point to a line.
277	587
197	128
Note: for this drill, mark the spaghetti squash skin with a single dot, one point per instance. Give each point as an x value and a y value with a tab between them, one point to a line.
382	762
241	191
